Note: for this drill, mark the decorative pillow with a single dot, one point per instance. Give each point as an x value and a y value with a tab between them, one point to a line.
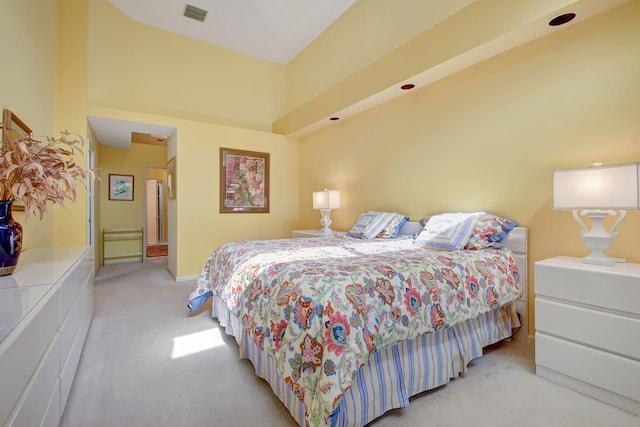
394	226
425	220
370	224
449	231
489	230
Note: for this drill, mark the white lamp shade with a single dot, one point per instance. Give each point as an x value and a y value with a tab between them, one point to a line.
327	199
599	187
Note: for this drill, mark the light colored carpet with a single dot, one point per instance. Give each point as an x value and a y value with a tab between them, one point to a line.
136	371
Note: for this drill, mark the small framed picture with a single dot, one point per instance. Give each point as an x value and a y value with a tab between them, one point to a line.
120	187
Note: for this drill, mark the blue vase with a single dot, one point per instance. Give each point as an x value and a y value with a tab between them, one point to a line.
10	239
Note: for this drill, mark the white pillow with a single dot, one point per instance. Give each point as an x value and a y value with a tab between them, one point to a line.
370	224
449	231
391	230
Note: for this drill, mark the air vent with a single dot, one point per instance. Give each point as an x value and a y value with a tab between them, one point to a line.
195	13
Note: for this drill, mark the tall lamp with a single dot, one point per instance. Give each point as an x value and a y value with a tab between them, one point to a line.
325	201
598	192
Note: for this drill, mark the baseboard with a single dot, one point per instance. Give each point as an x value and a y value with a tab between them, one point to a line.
622	402
123	259
186	278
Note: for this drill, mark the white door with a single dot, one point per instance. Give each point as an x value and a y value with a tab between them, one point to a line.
152	212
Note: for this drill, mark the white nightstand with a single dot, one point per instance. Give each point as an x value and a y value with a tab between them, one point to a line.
314	233
588	328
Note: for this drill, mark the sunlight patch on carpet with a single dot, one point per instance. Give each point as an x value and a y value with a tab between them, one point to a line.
196	342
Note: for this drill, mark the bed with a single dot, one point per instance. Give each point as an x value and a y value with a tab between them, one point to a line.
345	329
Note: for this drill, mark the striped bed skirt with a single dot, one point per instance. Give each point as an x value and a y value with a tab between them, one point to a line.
392	374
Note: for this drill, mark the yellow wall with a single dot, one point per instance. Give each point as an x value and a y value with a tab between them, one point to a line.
122	213
28	36
157	173
37	38
196	227
132	161
70	111
201	228
489	137
143	74
140	68
364	33
461	37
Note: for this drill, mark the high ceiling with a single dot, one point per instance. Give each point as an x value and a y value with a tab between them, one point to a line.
278	30
273	30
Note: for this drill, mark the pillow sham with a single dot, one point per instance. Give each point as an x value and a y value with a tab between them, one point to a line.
425	220
447	231
370	224
489	230
394	226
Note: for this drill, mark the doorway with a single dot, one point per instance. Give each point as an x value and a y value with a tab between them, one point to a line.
156	213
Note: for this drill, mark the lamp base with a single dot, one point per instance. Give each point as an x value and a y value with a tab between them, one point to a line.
598	239
326	221
599	258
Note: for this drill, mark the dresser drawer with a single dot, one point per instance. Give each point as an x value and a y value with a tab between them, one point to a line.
70	365
74	319
607	371
32	406
608	331
52	413
48	303
615	288
22	351
72	284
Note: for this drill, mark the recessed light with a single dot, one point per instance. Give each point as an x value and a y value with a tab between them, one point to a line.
407	86
334	118
562	19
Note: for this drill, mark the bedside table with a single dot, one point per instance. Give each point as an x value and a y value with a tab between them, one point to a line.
588	328
314	233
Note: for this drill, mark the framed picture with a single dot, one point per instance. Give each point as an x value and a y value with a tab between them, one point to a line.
171	178
13	129
120	187
244	181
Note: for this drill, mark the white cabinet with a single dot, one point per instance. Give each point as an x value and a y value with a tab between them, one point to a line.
588	328
45	311
314	233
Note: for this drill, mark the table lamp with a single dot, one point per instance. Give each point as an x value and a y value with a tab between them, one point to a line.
598	192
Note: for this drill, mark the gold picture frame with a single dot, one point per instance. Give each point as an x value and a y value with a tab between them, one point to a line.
244	181
12	130
171	178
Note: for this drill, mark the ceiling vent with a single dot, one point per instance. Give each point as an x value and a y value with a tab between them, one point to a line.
195	13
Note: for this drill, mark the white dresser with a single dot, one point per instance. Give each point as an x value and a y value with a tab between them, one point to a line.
588	328
45	311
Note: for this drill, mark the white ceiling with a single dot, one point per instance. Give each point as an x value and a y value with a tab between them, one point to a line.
273	30
117	133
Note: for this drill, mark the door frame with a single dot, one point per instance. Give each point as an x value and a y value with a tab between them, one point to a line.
144	206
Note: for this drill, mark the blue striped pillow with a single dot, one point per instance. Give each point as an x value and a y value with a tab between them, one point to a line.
370	224
393	227
447	231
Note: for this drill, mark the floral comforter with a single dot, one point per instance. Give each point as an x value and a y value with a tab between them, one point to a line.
320	306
